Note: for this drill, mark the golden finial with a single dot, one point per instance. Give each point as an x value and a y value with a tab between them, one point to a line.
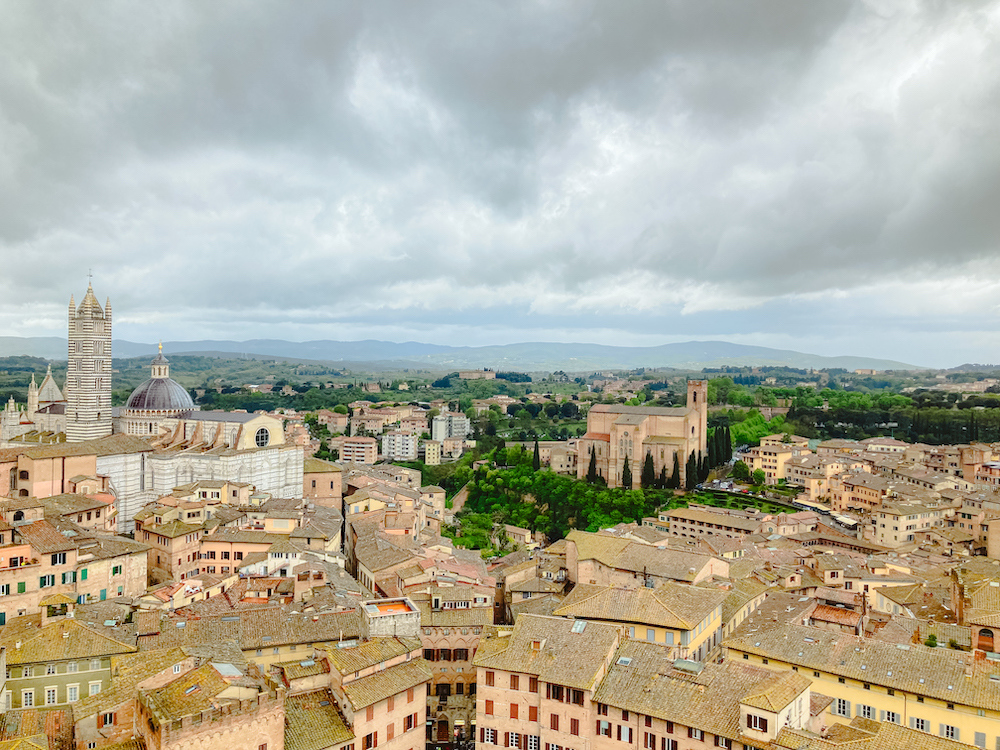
161	347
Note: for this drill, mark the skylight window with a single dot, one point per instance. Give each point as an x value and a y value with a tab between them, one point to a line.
579	626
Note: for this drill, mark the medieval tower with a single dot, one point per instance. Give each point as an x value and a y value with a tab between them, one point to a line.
88	376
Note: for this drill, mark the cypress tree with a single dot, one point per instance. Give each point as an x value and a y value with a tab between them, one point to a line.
592	469
691	472
536	461
663	482
729	444
648	477
713	459
627	475
675	478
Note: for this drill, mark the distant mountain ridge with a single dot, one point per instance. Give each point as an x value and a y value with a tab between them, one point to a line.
533	356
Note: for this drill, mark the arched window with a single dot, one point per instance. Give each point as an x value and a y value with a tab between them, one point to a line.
19	515
262	438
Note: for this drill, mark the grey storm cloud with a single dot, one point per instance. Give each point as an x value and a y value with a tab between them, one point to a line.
454	171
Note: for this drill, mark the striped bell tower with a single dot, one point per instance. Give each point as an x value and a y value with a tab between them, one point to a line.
88	375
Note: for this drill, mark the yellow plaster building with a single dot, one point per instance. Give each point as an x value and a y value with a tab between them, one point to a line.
939	691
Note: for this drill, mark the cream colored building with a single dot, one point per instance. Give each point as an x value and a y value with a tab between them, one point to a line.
432	452
773	459
687	620
937	691
897	524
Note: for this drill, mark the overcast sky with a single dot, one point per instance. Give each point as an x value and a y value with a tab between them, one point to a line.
822	176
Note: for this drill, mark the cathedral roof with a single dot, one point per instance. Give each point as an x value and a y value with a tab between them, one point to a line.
90	303
160	394
49	392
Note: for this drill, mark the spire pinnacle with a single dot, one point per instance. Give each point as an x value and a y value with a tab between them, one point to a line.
161	346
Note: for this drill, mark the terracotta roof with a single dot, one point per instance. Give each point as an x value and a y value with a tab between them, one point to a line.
255	628
379	686
936	672
554	649
314	722
106	446
296	670
64	639
670	605
45	538
777	692
128	671
864	734
313	465
53	724
174	529
643	679
368	653
454	618
836	615
191	693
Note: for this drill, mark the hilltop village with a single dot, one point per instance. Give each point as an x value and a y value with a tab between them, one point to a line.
177	577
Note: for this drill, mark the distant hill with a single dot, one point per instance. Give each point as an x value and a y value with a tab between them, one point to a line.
691	355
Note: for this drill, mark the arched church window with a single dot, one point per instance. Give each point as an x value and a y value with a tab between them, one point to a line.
262	438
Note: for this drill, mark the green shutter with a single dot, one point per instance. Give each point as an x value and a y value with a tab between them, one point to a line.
83	574
104	594
41	582
3	618
20	587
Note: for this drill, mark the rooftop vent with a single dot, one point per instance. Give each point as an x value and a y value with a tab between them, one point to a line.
624	660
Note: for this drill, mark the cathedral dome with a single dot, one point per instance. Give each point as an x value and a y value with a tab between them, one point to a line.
160	394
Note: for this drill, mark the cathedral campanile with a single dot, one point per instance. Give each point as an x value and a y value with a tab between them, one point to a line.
88	375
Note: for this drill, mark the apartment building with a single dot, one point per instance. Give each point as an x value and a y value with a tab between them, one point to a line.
687	620
452	618
399	446
860	491
583	686
897	524
55	660
380	681
937	691
38	560
697	522
772	459
450	425
432	452
174	546
605	560
359	450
